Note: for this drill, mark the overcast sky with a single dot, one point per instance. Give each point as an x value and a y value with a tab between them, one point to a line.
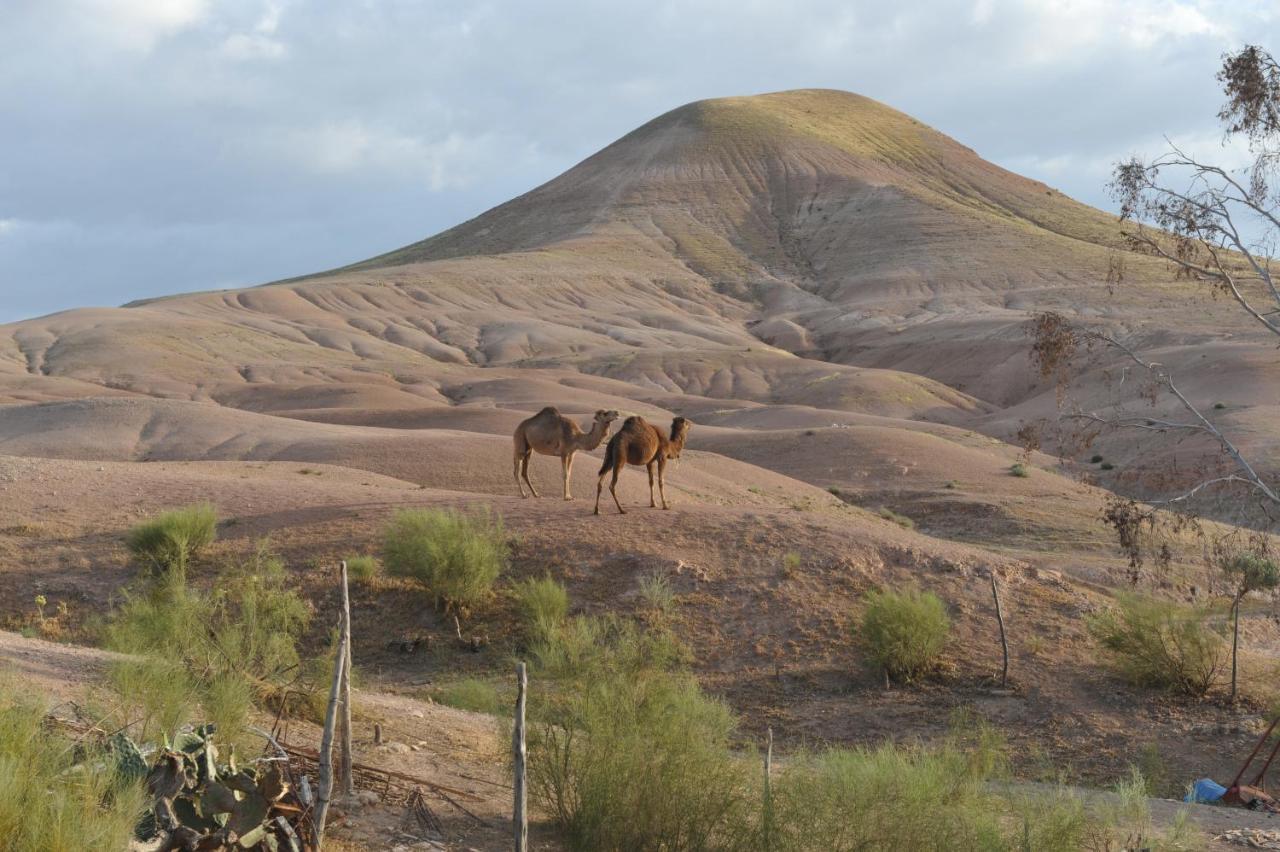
159	146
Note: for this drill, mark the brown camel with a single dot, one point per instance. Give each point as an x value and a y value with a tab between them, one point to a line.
550	433
641	443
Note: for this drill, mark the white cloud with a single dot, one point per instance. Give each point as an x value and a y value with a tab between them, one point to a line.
355	148
245	46
261	41
139	24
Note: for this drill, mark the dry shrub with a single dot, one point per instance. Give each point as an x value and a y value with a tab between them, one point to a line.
1159	643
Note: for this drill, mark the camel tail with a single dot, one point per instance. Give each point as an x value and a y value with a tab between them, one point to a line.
610	455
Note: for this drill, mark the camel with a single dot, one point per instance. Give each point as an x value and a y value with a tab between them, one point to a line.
641	443
550	433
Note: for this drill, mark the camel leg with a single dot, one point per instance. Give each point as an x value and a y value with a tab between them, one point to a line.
519	484
599	488
662	491
649	467
613	489
524	471
566	463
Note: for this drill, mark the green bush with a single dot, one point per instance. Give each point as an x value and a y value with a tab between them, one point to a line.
470	694
1096	458
170	540
886	798
48	802
904	632
586	647
641	762
1159	643
1107	466
361	569
457	556
237	640
1020	470
543	605
912	797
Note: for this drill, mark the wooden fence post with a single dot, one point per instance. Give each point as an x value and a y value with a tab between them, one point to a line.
325	762
345	782
519	816
1004	642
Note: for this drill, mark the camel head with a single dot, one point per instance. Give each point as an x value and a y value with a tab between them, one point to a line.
604	418
679	431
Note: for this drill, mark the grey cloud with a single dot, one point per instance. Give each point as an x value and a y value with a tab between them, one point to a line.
181	145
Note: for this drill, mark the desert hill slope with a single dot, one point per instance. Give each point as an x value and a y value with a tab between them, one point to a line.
835	294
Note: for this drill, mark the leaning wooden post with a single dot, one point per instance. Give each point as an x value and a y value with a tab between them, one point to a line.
768	789
1004	642
345	782
519	815
325	773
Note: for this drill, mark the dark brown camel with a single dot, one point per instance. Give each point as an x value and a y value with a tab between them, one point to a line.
641	443
552	434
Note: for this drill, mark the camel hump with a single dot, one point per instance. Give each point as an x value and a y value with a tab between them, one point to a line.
549	411
632	422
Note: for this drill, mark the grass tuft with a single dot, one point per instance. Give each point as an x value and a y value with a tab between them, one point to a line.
55	797
543	605
362	569
901	520
471	694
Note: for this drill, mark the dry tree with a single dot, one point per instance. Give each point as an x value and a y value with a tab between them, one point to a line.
1215	226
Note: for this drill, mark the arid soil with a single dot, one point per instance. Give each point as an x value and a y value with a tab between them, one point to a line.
836	295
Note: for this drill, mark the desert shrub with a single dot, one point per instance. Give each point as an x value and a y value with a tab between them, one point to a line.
543	605
157	695
901	520
237	640
1107	466
586	647
1020	470
904	632
456	556
471	694
361	569
1218	406
885	798
1095	458
171	539
640	762
657	594
947	797
48	802
1159	643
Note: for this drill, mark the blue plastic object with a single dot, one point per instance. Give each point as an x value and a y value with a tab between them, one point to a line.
1205	790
